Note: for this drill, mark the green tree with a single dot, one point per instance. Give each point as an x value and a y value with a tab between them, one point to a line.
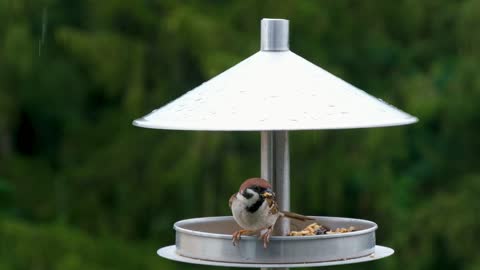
81	187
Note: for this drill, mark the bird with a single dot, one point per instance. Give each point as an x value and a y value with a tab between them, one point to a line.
255	210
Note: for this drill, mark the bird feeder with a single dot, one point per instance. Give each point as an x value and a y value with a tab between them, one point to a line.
274	91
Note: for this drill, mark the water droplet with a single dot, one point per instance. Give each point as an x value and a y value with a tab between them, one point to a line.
44	30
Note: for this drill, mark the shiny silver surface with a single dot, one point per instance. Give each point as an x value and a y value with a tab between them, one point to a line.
169	252
275	164
274	90
209	238
266	154
275	167
274	35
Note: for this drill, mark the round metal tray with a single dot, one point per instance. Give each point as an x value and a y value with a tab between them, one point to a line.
210	239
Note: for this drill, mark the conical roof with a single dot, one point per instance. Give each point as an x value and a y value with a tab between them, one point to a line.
275	90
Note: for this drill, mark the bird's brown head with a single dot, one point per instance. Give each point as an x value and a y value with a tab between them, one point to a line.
259	185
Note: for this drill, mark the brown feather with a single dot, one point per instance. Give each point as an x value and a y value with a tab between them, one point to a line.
272	205
231	200
296	216
255	182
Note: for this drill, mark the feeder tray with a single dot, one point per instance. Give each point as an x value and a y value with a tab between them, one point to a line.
210	238
274	91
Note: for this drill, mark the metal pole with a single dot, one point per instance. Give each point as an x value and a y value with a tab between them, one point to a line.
275	167
274	35
275	158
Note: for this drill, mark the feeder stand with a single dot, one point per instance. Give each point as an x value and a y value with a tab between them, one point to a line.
274	91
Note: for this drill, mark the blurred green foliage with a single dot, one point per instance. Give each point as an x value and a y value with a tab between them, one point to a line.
81	188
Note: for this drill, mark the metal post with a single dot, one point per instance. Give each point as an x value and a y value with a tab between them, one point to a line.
275	158
275	166
274	35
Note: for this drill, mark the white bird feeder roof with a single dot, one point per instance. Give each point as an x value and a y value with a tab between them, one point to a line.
275	89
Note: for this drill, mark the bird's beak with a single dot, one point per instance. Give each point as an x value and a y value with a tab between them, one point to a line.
267	194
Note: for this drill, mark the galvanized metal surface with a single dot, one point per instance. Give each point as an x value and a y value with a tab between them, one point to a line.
275	167
275	154
274	89
274	35
210	239
169	252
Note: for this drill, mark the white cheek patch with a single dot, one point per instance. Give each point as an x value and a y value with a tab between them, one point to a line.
251	200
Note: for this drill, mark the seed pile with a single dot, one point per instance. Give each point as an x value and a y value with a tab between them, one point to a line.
316	229
342	230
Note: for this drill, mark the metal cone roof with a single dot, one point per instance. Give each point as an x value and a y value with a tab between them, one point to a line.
275	90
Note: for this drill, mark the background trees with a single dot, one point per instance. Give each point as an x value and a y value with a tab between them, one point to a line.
81	188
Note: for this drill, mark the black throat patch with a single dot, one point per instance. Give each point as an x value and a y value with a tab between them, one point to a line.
254	207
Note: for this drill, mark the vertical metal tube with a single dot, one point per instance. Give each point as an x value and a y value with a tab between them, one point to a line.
266	155
274	35
281	180
275	157
275	167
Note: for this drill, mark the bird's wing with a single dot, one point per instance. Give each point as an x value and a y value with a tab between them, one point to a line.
296	216
231	200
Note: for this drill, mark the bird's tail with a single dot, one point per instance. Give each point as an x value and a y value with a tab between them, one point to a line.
296	216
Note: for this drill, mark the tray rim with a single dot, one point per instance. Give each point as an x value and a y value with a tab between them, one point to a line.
169	252
177	228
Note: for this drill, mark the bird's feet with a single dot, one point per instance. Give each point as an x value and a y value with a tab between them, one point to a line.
236	236
266	236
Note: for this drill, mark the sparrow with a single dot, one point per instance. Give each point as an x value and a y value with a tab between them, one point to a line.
255	210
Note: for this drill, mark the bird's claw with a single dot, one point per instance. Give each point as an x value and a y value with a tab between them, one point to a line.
236	236
266	237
